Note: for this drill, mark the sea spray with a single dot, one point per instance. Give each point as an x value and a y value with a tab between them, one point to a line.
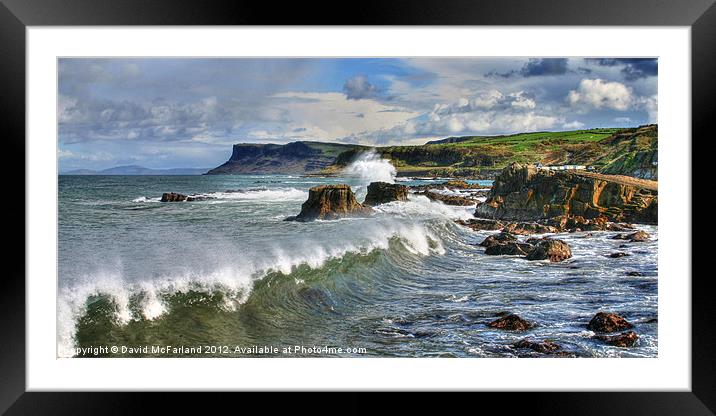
370	167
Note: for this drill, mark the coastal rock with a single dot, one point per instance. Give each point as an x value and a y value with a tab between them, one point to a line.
511	322
526	228
173	197
626	339
608	322
635	237
496	239
510	248
527	193
544	347
383	192
449	199
552	249
480	224
618	254
328	202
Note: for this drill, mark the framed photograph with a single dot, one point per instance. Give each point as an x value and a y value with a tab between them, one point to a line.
220	204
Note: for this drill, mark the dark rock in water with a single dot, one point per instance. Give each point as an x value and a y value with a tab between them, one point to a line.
480	224
627	339
545	347
329	202
496	239
618	254
173	197
552	249
449	199
510	248
635	274
198	198
635	237
511	322
608	322
383	192
523	192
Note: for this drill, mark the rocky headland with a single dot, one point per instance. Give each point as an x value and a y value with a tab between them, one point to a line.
528	193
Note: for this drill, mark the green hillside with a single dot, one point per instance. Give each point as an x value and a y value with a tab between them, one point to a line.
609	150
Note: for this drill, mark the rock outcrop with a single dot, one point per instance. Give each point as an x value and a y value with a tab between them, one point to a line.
608	322
173	197
527	193
328	202
384	192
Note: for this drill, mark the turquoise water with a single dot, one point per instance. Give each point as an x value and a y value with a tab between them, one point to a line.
407	281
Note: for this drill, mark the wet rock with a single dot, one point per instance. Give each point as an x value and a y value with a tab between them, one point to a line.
544	347
510	248
530	228
383	192
482	224
635	274
328	202
549	248
173	197
618	254
608	322
626	339
449	199
511	322
495	239
635	237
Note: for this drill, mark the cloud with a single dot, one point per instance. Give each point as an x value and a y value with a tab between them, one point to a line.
632	68
358	88
535	67
597	93
573	125
544	66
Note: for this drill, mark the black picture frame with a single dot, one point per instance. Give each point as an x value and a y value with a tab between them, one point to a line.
16	15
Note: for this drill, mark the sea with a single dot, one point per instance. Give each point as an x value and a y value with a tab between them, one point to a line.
228	277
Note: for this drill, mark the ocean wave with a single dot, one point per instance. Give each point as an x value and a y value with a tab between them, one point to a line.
148	299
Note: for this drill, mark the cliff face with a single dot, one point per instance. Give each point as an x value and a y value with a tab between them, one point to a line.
291	158
523	192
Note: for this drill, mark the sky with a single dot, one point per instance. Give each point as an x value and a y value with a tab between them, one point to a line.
168	113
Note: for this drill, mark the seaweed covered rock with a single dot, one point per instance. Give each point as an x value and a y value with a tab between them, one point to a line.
328	202
384	192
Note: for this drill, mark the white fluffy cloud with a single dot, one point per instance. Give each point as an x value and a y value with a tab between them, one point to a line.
598	93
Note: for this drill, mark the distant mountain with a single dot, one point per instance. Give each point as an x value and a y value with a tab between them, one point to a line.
137	170
292	158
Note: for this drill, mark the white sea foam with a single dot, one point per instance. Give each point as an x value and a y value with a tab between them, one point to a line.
234	281
370	167
258	194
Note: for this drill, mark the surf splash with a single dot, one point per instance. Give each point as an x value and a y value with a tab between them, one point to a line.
370	167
